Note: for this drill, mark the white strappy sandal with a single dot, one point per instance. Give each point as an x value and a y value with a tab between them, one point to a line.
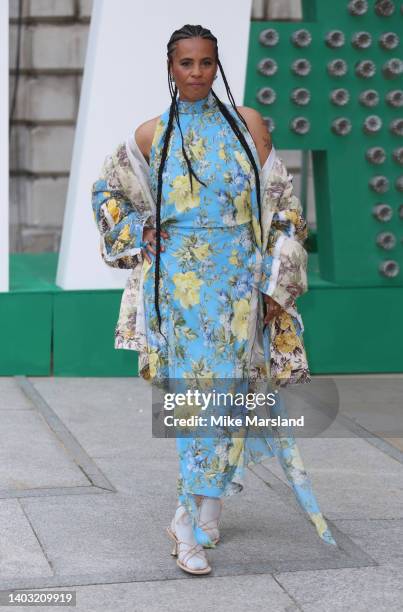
209	517
190	555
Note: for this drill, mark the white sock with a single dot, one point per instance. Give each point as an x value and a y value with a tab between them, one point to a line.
182	527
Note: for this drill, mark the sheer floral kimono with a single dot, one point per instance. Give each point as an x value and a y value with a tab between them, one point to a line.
217	263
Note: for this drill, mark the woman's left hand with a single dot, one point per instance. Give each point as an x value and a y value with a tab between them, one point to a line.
273	310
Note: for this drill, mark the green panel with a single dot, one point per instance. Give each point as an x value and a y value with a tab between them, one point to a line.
26	333
84	325
309	10
347	230
343	329
347	332
33	272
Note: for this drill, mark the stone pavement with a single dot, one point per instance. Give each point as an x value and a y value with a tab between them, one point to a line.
86	494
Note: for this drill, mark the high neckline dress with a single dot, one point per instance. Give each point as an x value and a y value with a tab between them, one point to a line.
205	289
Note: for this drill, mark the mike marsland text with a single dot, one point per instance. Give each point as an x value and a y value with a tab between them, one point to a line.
228	421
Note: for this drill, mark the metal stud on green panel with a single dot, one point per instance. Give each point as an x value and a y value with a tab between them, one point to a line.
266	95
340	96
398	155
357	8
301	96
300	125
301	38
335	39
361	40
393	68
267	66
333	86
365	69
337	67
382	212
376	155
384	8
386	240
389	268
395	98
269	37
372	124
271	124
369	97
341	126
389	40
396	126
379	184
301	67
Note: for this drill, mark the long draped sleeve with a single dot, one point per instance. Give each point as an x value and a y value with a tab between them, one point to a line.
284	265
120	218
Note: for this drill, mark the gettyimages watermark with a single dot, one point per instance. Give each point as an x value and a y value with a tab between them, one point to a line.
214	407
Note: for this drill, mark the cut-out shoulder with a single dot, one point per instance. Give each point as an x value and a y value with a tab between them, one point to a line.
259	132
144	135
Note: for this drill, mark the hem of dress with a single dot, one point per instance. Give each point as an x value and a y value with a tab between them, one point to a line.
233	487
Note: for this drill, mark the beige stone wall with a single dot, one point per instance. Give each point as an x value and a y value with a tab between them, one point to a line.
53	44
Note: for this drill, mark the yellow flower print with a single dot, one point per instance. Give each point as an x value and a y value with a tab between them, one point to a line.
198	149
242	207
234	257
221	152
284	320
113	209
200	252
158	132
186	412
292	216
296	460
235	451
319	522
286	342
146	266
243	162
153	363
239	324
181	195
187	288
124	234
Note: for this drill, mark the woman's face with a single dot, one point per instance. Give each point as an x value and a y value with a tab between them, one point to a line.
193	67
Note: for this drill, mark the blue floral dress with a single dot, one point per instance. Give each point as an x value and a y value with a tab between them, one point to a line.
206	281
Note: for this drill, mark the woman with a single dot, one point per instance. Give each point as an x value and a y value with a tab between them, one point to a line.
199	286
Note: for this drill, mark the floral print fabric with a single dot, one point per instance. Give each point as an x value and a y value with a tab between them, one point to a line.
207	287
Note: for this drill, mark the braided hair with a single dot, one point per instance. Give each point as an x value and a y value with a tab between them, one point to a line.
191	31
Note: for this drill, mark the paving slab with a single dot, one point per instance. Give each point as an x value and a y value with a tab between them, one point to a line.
371	589
105	415
375	402
354	478
235	593
31	456
21	552
382	539
109	538
11	396
112	547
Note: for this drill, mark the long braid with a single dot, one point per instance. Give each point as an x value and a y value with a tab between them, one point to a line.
158	211
191	31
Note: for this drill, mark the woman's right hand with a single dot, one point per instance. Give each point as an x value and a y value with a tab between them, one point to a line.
149	234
